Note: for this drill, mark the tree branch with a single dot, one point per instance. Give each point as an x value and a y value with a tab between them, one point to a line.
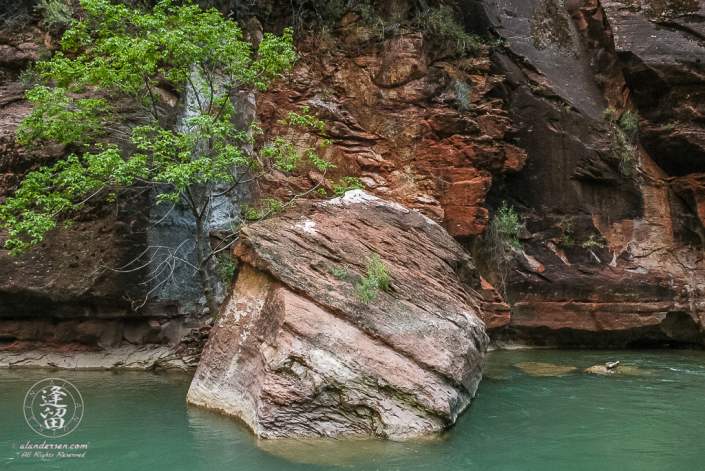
151	96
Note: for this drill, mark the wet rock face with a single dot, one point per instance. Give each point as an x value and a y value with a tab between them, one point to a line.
62	292
70	289
295	352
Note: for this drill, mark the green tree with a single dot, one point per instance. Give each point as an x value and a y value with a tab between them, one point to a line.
116	50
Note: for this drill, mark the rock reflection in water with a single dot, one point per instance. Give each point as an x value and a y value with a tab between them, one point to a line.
346	452
544	369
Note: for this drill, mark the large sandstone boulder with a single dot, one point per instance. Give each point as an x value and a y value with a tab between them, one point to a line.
296	353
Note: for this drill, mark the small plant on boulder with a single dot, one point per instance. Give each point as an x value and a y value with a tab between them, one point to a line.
346	184
341	273
378	278
600	80
592	242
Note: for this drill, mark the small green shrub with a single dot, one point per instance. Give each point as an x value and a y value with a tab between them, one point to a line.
497	43
367	290
539	90
249	212
347	184
376	268
440	27
600	80
265	208
506	226
500	242
622	134
629	123
568	232
227	269
592	242
462	95
30	77
378	278
670	126
57	15
341	273
273	206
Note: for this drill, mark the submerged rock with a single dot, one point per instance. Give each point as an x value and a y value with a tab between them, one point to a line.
296	353
544	369
600	370
607	370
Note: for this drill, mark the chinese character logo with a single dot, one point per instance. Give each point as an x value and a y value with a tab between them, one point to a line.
53	407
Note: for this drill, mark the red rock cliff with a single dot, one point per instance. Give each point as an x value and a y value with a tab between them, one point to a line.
611	254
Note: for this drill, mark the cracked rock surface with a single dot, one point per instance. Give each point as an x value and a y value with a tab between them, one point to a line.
295	353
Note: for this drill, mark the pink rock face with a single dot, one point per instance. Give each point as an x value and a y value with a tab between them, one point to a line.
296	353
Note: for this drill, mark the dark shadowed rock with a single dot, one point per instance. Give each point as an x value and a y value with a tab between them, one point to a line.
660	45
611	257
692	189
295	352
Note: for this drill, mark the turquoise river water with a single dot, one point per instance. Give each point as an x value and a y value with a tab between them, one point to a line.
650	418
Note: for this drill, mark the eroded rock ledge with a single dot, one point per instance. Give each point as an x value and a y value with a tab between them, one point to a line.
295	353
182	355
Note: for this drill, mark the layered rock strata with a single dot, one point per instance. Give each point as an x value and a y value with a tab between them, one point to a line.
183	355
296	353
416	124
608	258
